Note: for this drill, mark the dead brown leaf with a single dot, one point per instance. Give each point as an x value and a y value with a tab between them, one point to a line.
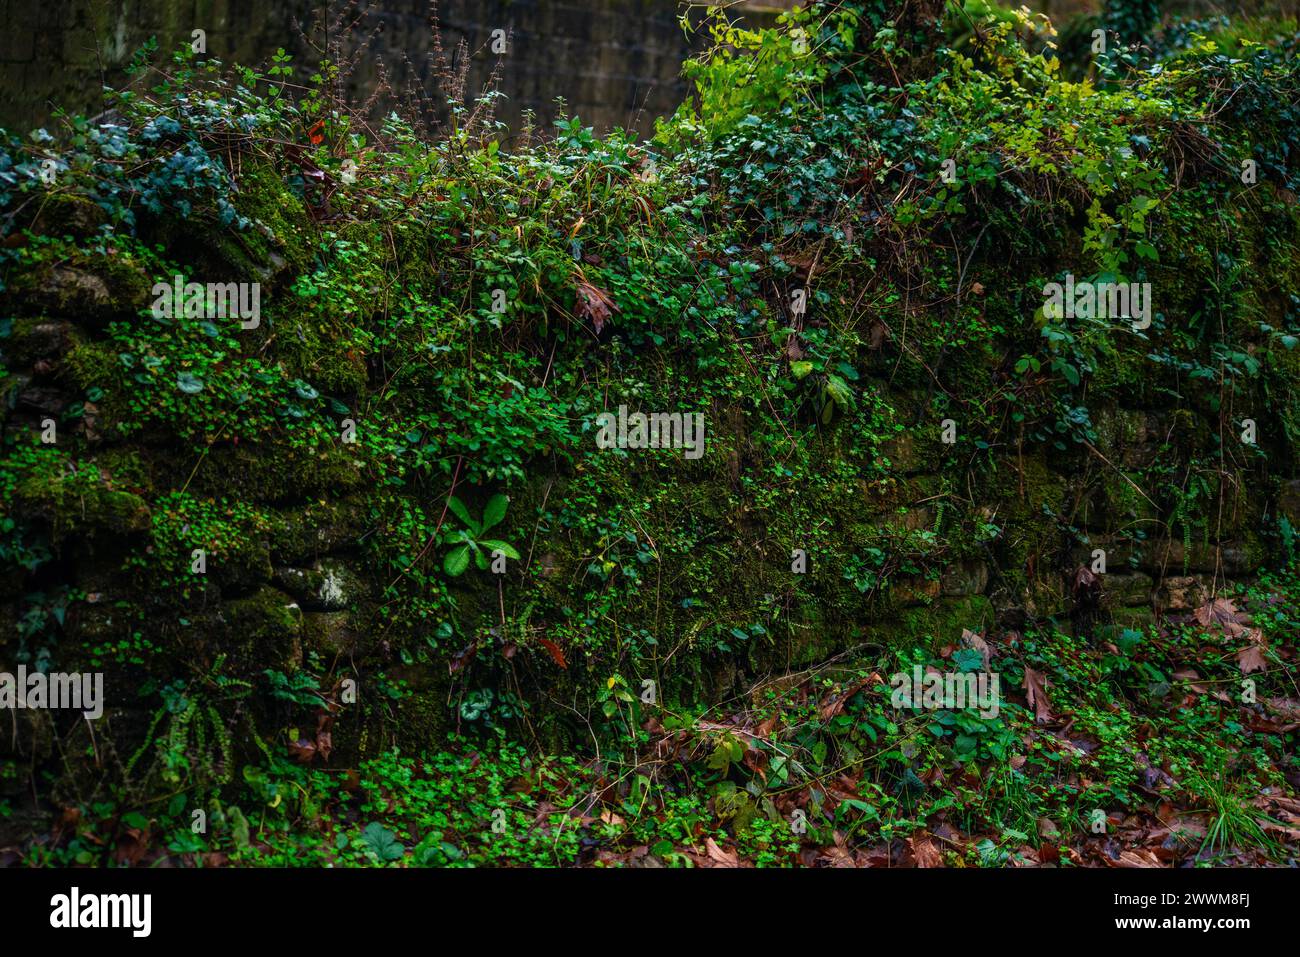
554	651
835	703
1136	858
1251	659
925	852
1036	691
595	304
972	640
717	854
1221	613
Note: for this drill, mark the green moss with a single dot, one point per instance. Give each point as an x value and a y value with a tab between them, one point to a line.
32	338
935	625
76	501
264	198
263	630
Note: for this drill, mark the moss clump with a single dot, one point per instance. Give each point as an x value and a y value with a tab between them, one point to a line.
74	500
263	630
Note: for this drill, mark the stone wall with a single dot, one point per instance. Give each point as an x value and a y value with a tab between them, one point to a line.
301	588
615	62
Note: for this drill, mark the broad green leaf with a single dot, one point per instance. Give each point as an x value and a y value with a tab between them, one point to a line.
461	512
839	392
457	561
383	842
494	512
492	545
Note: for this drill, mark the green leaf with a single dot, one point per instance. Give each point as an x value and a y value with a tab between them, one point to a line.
839	392
457	561
494	512
461	512
189	383
1070	372
493	544
238	827
801	369
383	842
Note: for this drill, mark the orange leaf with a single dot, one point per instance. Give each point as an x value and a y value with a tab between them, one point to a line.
554	651
925	852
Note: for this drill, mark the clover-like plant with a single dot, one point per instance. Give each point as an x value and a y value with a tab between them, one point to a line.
470	541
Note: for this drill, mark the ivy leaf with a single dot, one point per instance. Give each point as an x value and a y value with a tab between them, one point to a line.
189	383
968	659
1147	251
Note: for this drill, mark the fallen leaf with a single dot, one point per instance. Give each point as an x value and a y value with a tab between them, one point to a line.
1251	659
554	651
725	858
1137	858
925	852
463	657
1036	691
972	640
302	750
1222	614
836	703
595	304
